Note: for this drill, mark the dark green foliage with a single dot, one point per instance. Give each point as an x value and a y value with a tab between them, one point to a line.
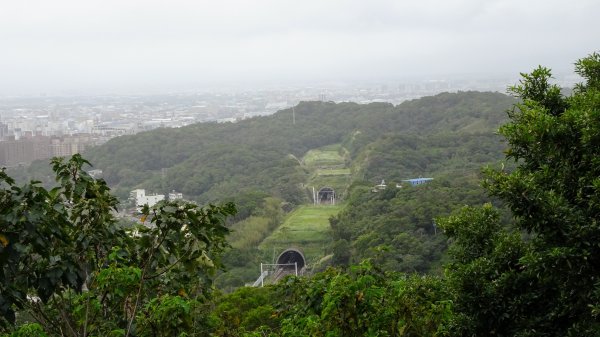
246	310
396	157
364	302
247	204
535	89
52	240
65	263
396	227
464	112
548	284
166	316
482	273
28	330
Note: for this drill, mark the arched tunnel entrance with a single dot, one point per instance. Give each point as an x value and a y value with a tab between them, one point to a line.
291	261
326	195
289	257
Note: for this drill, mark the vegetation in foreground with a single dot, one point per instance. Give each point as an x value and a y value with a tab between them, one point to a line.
537	277
68	266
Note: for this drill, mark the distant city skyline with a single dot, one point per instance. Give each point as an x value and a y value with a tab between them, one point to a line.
68	47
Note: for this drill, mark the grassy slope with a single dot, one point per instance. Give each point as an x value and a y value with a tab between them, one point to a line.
306	228
329	168
324	156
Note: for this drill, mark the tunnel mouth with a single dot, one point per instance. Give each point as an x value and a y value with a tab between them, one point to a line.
291	256
326	195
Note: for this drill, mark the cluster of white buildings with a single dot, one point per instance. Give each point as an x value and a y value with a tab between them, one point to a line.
140	198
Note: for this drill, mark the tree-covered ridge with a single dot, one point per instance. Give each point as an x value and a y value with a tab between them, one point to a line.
210	161
396	228
395	157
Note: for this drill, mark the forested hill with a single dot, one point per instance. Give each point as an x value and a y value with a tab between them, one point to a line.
209	161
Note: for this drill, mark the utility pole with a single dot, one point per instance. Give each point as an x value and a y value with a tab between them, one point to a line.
262	279
293	115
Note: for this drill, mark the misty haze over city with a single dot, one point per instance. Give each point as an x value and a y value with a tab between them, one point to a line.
68	48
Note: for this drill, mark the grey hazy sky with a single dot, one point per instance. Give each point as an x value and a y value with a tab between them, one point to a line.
112	45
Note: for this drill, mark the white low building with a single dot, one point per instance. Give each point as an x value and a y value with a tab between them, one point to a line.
140	198
175	196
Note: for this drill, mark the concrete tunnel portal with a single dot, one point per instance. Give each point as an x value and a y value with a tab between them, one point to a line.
291	256
290	261
326	195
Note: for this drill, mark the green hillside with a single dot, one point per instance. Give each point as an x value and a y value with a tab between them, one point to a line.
210	161
306	228
269	166
215	161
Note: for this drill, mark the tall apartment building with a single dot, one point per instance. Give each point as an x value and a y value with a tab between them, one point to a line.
25	150
69	145
15	152
3	131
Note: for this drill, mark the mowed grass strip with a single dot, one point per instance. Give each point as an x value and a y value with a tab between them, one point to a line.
307	225
333	172
328	155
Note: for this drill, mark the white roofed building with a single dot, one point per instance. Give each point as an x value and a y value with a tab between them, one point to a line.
140	198
175	195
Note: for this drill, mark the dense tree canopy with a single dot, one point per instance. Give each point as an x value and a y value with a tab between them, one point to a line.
66	263
543	278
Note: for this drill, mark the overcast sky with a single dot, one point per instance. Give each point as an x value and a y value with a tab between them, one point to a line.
53	46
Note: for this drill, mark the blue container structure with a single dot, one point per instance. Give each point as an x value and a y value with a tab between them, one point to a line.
417	181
